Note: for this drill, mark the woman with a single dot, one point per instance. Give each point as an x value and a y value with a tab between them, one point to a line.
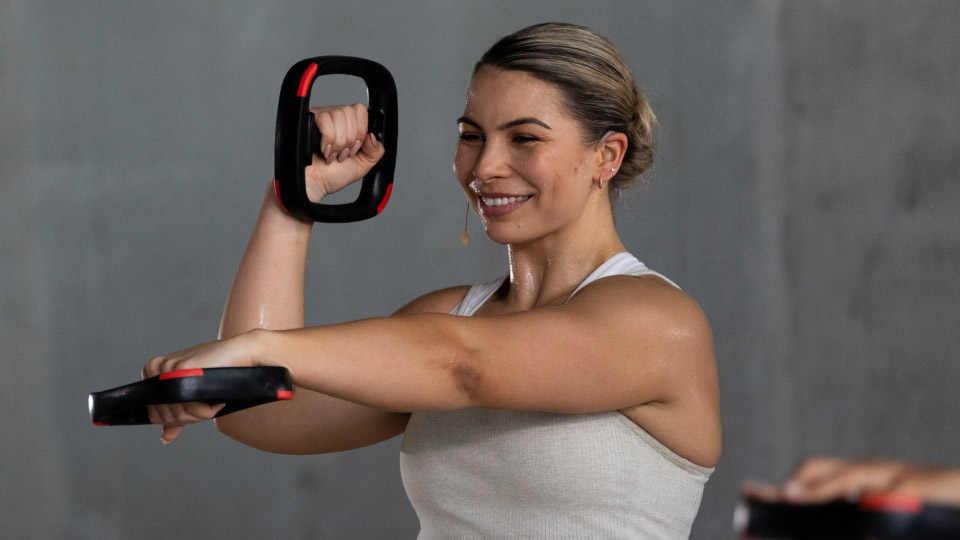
575	397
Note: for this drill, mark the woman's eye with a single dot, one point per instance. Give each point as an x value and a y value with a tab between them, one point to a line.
524	138
470	137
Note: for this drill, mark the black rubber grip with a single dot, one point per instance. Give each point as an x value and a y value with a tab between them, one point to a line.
238	388
877	516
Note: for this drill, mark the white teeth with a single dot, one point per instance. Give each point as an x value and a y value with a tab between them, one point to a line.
499	201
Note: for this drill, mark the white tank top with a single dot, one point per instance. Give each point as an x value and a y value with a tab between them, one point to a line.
481	473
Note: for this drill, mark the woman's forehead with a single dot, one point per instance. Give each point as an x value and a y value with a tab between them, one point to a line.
498	94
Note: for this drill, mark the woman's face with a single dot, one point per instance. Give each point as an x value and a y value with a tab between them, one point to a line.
520	158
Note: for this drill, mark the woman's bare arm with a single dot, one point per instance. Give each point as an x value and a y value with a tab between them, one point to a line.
267	291
314	423
268	294
620	342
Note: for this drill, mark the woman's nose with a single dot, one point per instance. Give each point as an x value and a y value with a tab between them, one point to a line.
492	162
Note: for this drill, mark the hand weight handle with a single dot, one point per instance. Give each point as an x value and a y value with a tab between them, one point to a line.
297	139
881	516
239	388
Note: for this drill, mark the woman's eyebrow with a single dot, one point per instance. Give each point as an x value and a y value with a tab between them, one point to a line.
508	125
465	120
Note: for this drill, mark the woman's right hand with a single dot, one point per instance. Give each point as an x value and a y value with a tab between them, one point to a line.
349	152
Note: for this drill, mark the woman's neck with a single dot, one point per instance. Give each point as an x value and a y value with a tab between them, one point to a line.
546	271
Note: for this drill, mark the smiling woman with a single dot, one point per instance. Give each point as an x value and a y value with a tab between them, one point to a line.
519	143
575	396
596	86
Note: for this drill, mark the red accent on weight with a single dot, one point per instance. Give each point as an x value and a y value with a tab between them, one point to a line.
386	198
276	188
306	80
181	373
284	394
891	502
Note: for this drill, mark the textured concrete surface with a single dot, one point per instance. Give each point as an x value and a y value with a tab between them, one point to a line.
807	194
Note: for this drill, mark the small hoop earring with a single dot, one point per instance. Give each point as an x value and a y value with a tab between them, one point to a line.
601	182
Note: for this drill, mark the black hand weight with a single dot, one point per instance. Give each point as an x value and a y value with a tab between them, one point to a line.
298	138
238	388
877	516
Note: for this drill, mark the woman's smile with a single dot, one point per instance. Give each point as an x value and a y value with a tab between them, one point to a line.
521	156
493	205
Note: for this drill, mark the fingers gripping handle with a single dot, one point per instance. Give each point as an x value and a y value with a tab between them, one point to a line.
297	139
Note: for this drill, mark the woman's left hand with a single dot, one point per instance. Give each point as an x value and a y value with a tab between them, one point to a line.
232	352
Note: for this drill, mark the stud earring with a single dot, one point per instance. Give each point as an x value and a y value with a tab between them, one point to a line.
601	178
465	237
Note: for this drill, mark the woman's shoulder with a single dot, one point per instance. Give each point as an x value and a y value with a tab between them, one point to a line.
647	297
440	301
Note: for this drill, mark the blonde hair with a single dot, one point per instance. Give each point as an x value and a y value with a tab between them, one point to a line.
597	87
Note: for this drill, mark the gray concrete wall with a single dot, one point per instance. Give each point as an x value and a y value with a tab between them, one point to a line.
807	194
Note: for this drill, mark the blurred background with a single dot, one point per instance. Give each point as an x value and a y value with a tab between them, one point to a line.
806	193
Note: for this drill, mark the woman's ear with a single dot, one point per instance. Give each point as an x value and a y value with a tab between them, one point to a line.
610	151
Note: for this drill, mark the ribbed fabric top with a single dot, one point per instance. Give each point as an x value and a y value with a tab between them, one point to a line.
480	473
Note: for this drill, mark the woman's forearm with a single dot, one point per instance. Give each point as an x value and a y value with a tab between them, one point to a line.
267	293
399	364
268	289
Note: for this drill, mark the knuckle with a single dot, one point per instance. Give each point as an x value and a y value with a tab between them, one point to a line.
152	414
196	410
163	415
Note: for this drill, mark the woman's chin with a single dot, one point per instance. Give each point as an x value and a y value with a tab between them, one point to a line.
507	235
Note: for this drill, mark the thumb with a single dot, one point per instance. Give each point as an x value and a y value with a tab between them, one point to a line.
170	433
370	153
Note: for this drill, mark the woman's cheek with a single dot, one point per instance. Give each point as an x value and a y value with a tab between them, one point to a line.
536	167
462	165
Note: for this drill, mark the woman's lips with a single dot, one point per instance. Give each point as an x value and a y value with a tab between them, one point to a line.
496	204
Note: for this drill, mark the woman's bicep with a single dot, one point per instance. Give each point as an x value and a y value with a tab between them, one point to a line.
611	347
614	346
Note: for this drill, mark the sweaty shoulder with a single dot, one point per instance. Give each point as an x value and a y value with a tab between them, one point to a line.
650	310
663	327
441	301
648	290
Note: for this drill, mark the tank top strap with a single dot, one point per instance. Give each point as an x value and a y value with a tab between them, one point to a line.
620	264
476	296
